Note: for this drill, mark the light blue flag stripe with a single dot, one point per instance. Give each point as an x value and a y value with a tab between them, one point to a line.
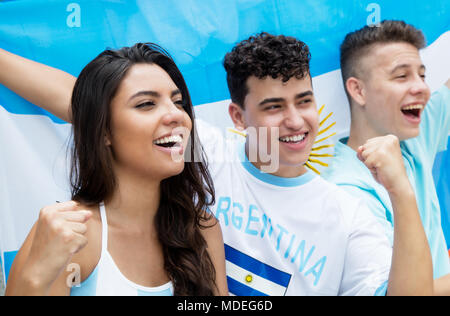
194	32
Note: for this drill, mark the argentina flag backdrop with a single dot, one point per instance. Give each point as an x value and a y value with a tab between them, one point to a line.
67	34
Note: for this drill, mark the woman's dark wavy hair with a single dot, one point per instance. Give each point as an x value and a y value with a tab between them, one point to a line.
184	197
265	55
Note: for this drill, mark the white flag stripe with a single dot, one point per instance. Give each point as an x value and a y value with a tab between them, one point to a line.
258	283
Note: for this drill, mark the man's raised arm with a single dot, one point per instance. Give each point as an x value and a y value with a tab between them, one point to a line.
412	267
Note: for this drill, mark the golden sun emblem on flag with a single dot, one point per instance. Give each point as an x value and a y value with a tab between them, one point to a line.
314	155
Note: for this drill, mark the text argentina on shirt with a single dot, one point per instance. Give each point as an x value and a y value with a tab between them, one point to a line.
248	223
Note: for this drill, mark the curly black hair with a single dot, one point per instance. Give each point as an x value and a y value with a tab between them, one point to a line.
265	55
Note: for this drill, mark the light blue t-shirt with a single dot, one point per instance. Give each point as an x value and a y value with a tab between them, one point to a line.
419	154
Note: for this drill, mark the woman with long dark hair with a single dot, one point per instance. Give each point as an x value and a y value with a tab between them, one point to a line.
139	222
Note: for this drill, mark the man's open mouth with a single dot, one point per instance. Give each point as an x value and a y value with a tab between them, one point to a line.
413	111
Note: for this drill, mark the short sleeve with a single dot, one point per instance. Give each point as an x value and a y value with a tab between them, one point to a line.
381	211
368	257
435	126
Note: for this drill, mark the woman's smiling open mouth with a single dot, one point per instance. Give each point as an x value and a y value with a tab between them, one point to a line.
169	141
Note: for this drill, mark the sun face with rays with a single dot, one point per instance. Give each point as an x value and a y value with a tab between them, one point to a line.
314	155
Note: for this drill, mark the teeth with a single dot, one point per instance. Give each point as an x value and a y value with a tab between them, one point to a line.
296	138
170	139
413	107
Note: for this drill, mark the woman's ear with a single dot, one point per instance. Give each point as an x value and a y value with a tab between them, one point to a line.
237	116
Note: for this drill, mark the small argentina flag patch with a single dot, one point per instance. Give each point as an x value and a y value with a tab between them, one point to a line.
247	276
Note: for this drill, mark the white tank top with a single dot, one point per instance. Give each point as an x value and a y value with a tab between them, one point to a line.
107	280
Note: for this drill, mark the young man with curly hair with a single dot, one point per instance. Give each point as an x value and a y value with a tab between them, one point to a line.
286	232
385	83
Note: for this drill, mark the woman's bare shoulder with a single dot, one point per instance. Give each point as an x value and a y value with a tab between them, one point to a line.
88	257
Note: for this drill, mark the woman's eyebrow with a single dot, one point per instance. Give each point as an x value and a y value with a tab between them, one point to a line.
153	94
145	93
175	92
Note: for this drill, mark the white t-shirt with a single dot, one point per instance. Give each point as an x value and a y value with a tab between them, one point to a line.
292	236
